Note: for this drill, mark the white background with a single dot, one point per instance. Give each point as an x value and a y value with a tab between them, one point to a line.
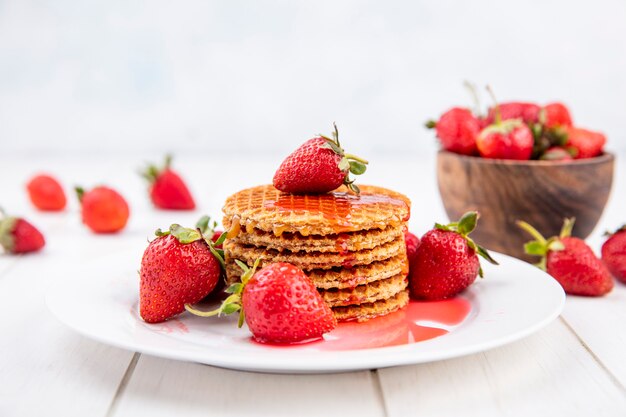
262	76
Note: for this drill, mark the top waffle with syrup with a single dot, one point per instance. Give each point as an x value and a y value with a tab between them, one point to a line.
267	209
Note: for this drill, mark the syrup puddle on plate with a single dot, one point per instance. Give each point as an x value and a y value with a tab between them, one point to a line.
419	321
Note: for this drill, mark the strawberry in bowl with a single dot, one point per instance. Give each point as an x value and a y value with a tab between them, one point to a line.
532	163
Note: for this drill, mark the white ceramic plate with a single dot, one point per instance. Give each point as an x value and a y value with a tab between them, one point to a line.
514	300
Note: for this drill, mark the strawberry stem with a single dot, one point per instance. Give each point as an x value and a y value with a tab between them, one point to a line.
474	94
498	118
355	158
80	192
532	231
568	226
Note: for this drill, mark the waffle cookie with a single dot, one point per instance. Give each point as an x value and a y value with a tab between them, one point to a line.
352	247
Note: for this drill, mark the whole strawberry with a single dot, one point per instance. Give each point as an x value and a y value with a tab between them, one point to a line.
614	254
505	139
19	236
178	267
103	209
280	305
527	112
318	166
457	130
446	262
167	189
586	143
46	193
554	115
570	261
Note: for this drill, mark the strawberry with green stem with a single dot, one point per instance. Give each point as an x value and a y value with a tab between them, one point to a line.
318	166
569	260
458	128
447	260
180	266
167	189
505	139
18	235
279	303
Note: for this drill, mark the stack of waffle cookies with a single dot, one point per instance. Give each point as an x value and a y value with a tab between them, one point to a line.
352	247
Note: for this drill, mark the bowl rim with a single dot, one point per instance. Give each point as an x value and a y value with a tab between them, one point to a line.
604	158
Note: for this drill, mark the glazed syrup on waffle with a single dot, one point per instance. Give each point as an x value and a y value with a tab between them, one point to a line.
338	209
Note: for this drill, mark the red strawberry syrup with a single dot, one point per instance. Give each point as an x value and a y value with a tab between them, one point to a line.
400	327
395	329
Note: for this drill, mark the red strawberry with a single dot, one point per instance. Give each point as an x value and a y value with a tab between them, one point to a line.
555	114
614	254
280	305
457	130
177	268
167	189
556	153
586	143
104	210
318	166
528	112
19	236
412	243
508	139
46	193
570	261
446	262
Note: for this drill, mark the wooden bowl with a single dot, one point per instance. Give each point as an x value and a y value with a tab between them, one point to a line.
541	193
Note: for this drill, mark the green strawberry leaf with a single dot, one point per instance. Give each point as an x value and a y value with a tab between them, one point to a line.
184	234
230	308
535	248
357	168
467	223
332	145
160	233
235	288
344	165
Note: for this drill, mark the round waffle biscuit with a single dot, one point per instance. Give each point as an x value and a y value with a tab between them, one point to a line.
343	242
265	208
366	311
340	277
315	260
366	293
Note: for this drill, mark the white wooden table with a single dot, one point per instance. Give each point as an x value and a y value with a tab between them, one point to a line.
574	367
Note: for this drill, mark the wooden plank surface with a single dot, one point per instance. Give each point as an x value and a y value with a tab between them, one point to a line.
45	368
547	374
160	387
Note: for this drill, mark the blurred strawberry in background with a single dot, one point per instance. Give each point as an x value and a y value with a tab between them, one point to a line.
167	189
46	193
